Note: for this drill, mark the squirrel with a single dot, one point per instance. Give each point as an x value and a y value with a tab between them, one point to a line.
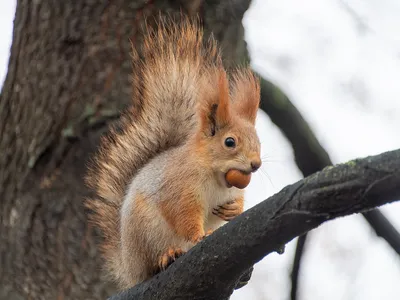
161	178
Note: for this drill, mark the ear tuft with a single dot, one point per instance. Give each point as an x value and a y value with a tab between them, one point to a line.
246	94
215	103
223	111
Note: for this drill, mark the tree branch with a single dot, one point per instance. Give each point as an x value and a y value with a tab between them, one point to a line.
383	228
294	276
311	157
218	262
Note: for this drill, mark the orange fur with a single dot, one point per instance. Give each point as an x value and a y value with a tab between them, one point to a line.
246	92
159	177
224	105
240	202
188	220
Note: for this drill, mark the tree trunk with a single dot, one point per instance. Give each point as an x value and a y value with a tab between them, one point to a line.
68	77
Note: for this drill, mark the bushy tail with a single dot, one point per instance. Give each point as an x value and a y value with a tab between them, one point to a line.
166	86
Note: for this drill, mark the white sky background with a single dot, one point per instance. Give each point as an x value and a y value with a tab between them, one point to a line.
339	62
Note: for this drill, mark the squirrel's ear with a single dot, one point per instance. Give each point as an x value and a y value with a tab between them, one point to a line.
246	94
215	103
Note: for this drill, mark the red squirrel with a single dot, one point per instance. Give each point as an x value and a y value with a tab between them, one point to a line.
176	170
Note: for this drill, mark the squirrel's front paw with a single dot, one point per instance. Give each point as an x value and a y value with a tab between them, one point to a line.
169	257
228	211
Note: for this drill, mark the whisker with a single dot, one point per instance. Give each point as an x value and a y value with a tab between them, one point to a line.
264	172
267	161
271	159
266	156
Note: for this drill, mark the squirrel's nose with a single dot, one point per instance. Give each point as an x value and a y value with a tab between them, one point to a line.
255	165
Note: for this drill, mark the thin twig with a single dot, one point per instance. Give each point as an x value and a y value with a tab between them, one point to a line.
383	228
296	265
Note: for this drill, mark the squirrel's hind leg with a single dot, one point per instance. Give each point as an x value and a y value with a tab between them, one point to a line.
168	258
171	255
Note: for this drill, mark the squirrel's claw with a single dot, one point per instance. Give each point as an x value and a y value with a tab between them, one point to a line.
169	257
228	211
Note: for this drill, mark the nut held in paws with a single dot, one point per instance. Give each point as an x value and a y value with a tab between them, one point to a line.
237	178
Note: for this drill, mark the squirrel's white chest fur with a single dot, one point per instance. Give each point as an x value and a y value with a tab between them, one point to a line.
212	195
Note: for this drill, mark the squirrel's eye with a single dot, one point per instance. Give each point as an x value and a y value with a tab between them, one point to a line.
230	142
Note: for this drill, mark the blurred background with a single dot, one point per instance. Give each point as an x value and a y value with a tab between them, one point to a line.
338	61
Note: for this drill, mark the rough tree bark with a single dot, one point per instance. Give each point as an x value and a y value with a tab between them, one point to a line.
68	76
